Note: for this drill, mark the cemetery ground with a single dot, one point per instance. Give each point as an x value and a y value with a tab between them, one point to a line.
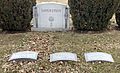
50	42
46	43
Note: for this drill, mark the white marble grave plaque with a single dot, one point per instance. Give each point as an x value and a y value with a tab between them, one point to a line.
63	56
24	55
98	56
50	16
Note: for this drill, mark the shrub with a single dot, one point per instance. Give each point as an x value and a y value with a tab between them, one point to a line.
92	14
15	15
117	16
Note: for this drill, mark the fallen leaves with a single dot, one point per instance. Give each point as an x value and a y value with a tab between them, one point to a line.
48	42
38	43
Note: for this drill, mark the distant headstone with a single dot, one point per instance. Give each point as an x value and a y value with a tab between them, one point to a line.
63	56
50	16
98	56
24	55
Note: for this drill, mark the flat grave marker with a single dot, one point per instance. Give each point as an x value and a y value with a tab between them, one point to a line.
63	56
98	56
24	55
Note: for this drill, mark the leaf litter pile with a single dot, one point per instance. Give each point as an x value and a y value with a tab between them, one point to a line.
46	43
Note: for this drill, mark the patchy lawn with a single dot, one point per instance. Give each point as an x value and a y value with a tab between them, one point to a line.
49	42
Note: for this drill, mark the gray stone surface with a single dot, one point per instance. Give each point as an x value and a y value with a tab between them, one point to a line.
49	16
63	56
98	56
24	55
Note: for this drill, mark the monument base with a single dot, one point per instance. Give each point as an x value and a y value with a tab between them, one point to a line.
48	29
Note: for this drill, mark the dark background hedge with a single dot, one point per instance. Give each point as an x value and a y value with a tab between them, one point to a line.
117	15
15	15
92	14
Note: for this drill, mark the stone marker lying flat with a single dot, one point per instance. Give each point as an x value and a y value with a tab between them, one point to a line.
63	56
24	55
98	56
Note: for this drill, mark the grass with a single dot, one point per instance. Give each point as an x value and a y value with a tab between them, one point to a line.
49	42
